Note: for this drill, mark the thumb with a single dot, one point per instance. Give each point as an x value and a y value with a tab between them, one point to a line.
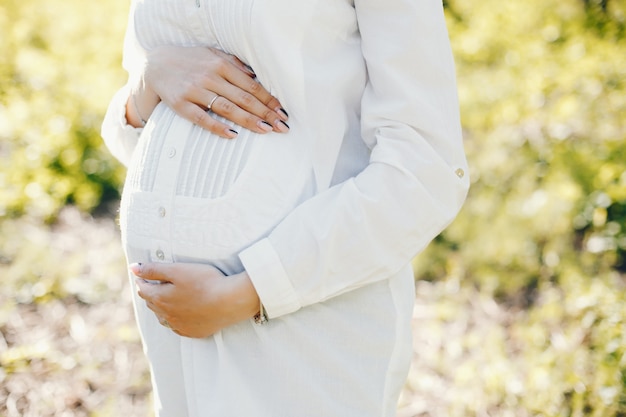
152	272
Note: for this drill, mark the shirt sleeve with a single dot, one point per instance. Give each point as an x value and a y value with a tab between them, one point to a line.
369	227
119	136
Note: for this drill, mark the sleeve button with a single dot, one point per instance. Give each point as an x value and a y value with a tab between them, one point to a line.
459	173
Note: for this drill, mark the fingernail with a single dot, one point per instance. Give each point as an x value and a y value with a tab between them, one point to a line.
250	69
282	126
265	126
135	268
282	112
231	133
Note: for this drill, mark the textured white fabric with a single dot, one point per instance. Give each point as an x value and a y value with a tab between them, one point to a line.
325	219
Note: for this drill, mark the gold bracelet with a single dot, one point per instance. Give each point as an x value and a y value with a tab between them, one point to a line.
143	121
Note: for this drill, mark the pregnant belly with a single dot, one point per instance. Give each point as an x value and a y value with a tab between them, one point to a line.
192	196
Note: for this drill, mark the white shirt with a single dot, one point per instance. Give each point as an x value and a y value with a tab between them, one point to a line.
325	219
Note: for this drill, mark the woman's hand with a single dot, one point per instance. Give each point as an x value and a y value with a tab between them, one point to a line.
195	300
192	79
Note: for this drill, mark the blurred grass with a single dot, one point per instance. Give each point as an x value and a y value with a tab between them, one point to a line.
69	344
520	304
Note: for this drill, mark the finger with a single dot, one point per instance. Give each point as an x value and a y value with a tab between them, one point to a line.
163	322
224	107
235	84
235	61
156	272
203	119
251	96
152	307
145	291
180	333
231	111
249	86
155	296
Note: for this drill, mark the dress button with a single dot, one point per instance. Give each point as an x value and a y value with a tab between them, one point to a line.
459	173
160	255
162	211
171	152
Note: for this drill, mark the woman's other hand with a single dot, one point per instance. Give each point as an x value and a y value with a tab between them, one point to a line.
192	79
195	300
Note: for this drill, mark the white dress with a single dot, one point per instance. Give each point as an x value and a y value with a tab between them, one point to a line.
338	343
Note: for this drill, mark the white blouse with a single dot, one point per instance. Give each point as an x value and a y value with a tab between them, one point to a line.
325	219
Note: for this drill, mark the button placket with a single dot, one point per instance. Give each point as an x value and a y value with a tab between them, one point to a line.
165	191
160	251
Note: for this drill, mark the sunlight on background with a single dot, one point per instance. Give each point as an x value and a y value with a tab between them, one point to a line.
521	305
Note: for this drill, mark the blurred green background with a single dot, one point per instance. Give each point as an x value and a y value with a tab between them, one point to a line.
520	303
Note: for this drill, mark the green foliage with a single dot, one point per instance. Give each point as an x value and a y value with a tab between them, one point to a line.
55	80
542	86
565	356
543	94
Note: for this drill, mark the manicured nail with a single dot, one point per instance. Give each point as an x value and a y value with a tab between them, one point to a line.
283	113
250	69
231	133
135	268
266	127
282	126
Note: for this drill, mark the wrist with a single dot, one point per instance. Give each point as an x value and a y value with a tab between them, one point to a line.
140	105
247	299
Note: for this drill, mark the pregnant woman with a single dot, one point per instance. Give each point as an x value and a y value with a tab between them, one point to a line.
286	161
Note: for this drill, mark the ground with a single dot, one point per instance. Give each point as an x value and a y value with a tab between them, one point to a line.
69	345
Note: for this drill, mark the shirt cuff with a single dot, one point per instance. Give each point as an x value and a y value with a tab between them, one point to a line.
119	136
269	278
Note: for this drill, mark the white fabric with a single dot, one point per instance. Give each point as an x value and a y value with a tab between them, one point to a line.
325	219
